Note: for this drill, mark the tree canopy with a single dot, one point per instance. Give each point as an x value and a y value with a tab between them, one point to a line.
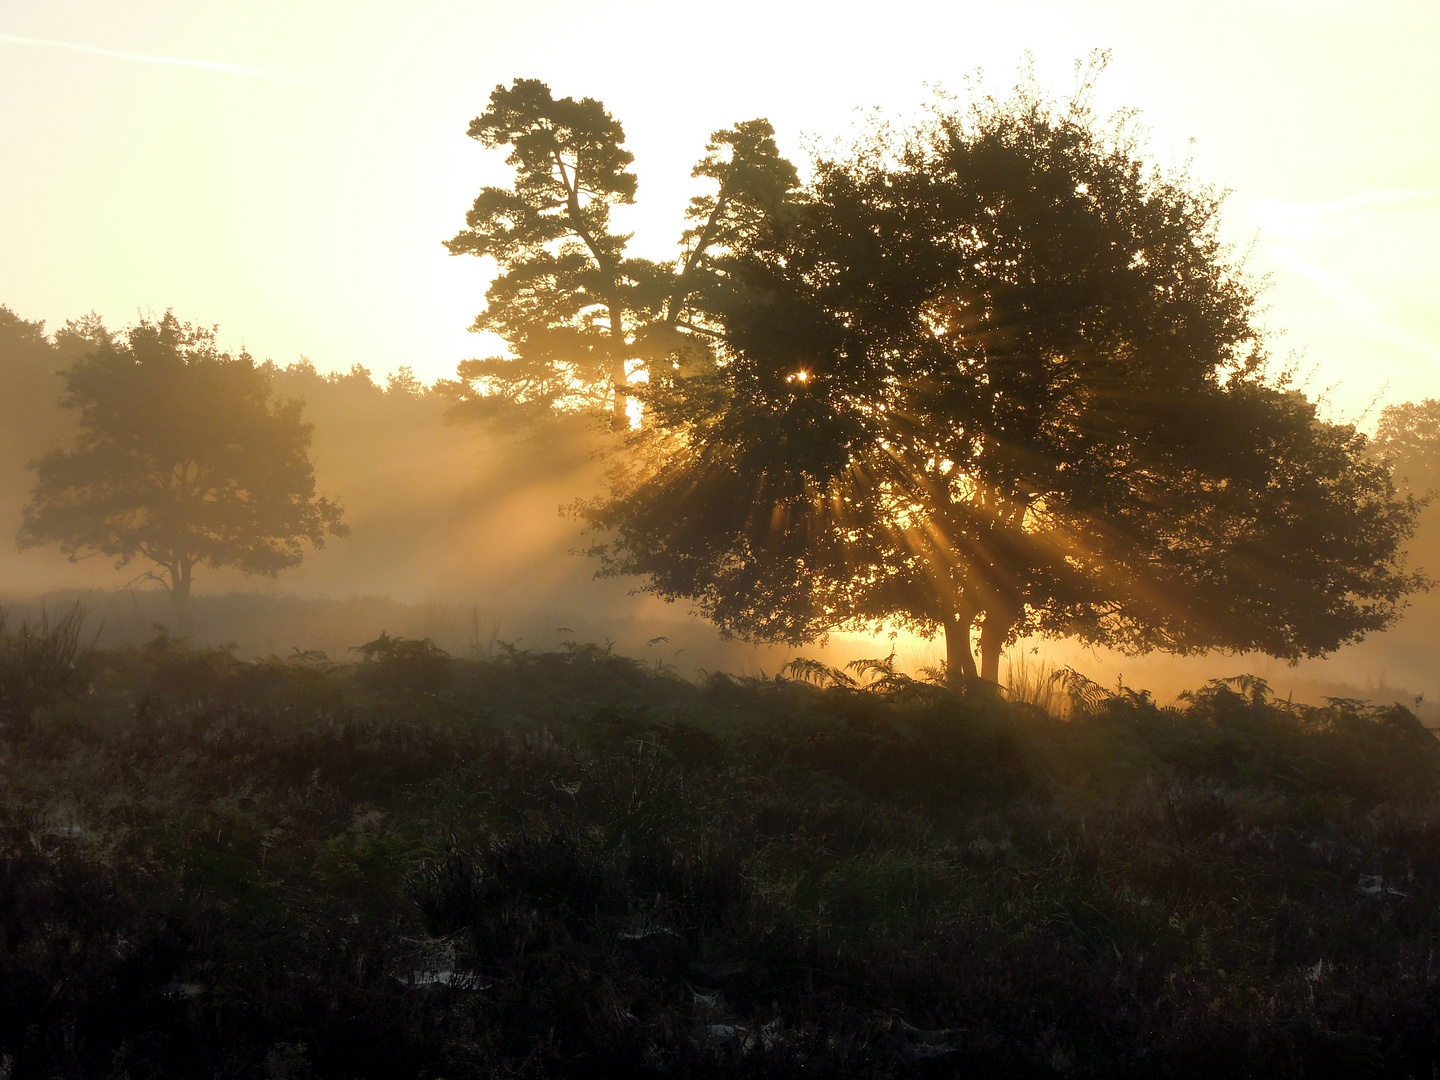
1408	436
998	375
580	316
182	459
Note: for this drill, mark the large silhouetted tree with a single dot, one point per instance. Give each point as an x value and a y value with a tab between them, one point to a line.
182	459
579	316
997	374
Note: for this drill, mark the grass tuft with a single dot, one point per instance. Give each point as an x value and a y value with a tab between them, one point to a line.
41	663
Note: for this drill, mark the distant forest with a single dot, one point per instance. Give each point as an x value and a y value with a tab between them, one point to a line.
434	506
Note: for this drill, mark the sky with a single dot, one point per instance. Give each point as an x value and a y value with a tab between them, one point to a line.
288	171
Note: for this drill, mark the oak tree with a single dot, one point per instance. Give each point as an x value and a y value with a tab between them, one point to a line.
182	459
998	375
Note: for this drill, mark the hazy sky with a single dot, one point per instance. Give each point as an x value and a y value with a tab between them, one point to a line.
289	170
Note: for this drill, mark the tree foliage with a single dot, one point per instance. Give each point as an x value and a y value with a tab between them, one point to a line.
1408	436
997	374
579	315
29	361
182	459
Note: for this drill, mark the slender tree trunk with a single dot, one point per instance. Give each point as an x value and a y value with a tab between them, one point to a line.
610	266
617	369
959	660
622	399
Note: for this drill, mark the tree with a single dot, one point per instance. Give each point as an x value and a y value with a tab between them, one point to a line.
998	376
1408	436
580	317
27	373
182	459
29	361
1408	439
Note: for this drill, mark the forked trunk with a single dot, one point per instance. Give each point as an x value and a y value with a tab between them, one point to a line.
959	660
992	643
993	632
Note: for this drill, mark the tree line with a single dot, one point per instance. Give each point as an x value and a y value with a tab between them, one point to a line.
990	375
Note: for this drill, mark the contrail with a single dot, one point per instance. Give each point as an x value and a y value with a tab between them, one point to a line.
1359	303
1298	219
208	65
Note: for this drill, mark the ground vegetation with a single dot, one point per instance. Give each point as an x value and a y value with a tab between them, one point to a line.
565	864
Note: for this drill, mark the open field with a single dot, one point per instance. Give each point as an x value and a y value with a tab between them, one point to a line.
912	554
566	864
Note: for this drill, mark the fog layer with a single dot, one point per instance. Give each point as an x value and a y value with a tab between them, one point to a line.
459	534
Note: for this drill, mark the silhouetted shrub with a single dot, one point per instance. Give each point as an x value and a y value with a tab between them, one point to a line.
41	663
401	663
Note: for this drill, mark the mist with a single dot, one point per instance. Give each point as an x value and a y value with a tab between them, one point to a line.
461	534
458	535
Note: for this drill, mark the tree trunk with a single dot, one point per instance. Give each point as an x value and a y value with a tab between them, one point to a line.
992	643
618	375
622	399
180	592
959	660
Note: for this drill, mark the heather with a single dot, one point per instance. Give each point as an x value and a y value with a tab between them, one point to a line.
397	863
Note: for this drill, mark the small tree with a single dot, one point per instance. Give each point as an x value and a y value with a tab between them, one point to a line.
998	376
182	459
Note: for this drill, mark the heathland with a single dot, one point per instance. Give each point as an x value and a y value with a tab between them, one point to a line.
572	864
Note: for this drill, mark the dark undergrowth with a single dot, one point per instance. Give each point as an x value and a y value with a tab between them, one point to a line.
565	865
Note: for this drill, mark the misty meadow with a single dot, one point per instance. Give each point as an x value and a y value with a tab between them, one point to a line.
648	786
